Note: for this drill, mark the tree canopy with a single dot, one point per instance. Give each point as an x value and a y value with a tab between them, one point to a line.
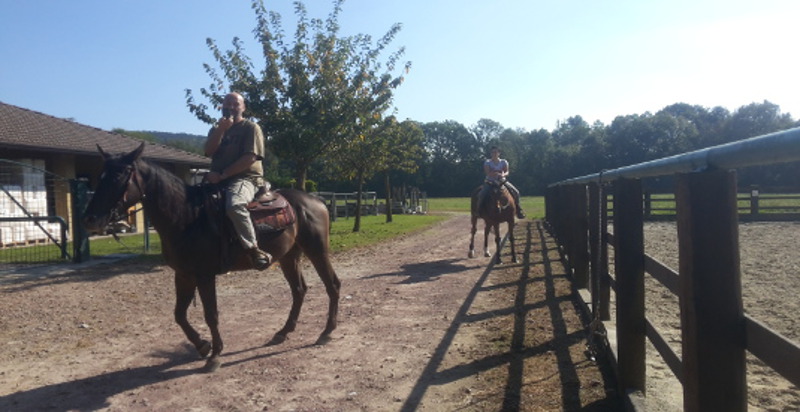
314	92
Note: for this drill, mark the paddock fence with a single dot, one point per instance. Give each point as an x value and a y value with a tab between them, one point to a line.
715	333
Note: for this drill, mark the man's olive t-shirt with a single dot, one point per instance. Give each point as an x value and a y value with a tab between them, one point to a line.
243	137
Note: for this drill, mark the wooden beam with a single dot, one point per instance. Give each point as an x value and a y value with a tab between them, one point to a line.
712	316
629	268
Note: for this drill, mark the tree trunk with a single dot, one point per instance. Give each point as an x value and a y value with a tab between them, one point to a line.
300	175
388	199
357	225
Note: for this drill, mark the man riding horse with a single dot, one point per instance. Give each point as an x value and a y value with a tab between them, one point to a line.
236	148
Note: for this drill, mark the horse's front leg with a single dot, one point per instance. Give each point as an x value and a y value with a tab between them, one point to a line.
207	286
486	230
497	241
472	236
511	239
184	293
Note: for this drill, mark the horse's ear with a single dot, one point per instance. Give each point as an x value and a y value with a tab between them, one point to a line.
132	156
102	152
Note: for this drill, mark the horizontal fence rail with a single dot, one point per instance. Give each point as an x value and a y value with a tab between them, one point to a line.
715	332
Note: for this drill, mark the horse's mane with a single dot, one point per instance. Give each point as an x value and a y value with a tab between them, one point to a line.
168	193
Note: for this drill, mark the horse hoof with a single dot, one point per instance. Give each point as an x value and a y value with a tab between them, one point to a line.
471	254
324	339
212	365
204	349
277	340
487	254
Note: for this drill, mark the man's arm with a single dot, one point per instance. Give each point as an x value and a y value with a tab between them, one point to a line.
215	137
239	166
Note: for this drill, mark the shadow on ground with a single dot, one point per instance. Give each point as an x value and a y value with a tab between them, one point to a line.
539	256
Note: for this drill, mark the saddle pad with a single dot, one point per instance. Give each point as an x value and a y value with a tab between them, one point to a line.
271	217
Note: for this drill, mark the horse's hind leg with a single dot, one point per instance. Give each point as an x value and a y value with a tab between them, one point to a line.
184	293
290	265
322	263
208	295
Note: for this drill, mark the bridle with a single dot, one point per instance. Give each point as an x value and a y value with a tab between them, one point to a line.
115	215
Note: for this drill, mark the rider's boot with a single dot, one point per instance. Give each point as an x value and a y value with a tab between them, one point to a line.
261	260
520	213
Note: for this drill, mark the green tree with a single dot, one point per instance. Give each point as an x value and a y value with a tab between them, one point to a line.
404	141
314	92
454	156
487	132
381	148
139	135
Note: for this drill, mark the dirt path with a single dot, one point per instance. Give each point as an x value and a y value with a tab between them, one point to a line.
421	328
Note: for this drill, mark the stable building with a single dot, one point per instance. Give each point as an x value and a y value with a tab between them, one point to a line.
40	155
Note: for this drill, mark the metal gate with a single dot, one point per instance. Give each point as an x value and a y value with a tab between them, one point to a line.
34	214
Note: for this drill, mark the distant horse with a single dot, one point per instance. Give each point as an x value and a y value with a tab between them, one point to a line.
192	244
496	208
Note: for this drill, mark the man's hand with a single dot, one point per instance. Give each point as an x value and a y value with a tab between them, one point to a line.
225	123
213	177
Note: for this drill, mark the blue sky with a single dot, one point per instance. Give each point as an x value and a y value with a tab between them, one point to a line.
526	63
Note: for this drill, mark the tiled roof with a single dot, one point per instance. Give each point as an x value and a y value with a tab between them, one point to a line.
29	130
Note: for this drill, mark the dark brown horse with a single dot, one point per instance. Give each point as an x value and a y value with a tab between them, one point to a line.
191	245
496	208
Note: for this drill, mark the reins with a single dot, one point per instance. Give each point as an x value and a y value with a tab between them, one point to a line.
115	215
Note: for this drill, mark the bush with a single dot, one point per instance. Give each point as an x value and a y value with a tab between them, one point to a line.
289	183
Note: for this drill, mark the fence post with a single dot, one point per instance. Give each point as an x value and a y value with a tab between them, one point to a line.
598	249
605	279
146	225
580	233
754	203
80	238
712	316
629	265
595	243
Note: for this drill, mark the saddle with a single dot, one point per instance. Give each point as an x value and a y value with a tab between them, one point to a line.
270	211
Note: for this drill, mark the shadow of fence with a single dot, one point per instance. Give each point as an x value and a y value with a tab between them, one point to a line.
538	284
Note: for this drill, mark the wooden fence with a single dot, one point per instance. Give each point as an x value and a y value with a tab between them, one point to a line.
344	204
715	332
752	205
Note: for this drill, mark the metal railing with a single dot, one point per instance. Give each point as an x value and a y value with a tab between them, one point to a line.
779	147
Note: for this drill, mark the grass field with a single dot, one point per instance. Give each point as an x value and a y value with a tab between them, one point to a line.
374	229
532	205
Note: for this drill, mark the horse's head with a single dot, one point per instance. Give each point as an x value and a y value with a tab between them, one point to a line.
499	194
119	188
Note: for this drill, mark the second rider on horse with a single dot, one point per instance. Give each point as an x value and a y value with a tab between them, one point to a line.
496	170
